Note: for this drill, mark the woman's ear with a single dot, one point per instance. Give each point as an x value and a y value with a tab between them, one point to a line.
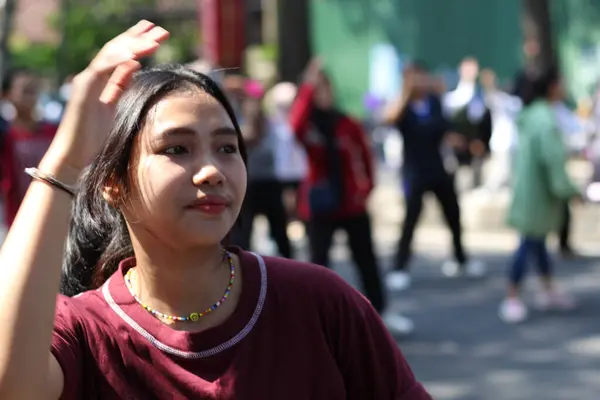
112	194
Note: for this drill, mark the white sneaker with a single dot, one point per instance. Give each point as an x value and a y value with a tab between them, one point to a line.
398	280
555	300
473	269
451	269
513	311
397	324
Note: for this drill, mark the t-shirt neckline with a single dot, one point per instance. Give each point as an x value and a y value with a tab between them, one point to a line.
193	345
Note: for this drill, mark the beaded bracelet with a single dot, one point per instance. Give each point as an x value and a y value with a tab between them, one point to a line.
50	180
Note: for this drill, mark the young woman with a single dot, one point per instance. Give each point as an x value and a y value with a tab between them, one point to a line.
335	191
541	187
184	317
419	117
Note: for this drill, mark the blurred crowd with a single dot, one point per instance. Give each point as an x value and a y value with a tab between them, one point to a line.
312	167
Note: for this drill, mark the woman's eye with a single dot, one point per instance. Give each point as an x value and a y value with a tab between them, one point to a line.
228	149
175	150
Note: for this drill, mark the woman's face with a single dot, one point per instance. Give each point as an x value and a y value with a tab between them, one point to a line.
323	97
188	176
24	93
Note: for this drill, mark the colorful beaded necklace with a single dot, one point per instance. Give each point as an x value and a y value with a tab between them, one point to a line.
195	316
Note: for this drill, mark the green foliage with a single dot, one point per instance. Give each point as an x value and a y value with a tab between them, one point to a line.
39	57
88	24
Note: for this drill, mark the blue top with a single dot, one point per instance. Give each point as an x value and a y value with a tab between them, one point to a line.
423	126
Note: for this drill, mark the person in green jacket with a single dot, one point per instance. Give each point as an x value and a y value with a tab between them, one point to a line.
541	186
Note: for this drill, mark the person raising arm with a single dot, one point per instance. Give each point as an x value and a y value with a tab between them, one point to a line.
33	249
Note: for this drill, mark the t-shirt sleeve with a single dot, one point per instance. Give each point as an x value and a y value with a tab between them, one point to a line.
66	346
369	359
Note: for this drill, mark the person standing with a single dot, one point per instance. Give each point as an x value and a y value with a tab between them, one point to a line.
419	116
471	118
265	191
26	139
541	187
335	191
504	109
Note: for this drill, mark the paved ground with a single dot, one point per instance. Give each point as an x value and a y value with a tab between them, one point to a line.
461	350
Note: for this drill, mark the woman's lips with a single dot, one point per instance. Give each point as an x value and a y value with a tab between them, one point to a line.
212	205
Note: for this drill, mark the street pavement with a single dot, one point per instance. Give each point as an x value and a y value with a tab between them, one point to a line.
460	348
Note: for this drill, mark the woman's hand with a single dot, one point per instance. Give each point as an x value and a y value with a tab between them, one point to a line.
313	71
90	111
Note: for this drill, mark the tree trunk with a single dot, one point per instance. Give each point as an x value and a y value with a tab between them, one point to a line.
537	26
293	38
6	23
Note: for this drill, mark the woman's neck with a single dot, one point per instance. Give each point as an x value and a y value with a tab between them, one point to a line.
181	282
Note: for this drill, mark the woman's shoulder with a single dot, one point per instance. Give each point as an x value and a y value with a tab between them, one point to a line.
310	281
81	309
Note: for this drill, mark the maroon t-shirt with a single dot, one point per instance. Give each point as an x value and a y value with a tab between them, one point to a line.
298	332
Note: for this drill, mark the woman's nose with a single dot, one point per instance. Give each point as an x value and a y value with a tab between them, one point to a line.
208	174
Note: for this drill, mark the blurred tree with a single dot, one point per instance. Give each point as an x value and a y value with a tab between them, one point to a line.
38	57
537	25
86	25
293	20
7	10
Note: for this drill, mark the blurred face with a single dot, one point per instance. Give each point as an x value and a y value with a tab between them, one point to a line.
421	81
469	70
24	93
488	79
323	97
557	91
188	177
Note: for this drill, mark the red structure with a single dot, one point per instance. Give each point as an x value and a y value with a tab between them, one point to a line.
223	31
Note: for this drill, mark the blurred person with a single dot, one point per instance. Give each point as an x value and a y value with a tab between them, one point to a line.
572	130
340	179
504	109
265	190
523	77
26	140
419	117
290	156
150	167
541	186
470	116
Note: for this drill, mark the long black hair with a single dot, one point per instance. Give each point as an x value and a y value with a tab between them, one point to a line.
98	237
539	84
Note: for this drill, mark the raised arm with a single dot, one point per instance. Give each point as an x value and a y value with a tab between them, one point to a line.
394	112
299	116
32	252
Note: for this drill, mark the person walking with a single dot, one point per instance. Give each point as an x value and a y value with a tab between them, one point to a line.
541	186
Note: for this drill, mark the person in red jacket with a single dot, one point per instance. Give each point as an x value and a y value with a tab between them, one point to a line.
335	191
24	143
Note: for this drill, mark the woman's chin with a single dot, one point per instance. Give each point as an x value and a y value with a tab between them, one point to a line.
203	235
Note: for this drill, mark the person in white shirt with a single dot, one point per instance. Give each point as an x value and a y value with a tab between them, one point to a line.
504	108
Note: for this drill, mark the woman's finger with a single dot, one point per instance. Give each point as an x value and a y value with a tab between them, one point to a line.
139	28
119	81
126	48
157	33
